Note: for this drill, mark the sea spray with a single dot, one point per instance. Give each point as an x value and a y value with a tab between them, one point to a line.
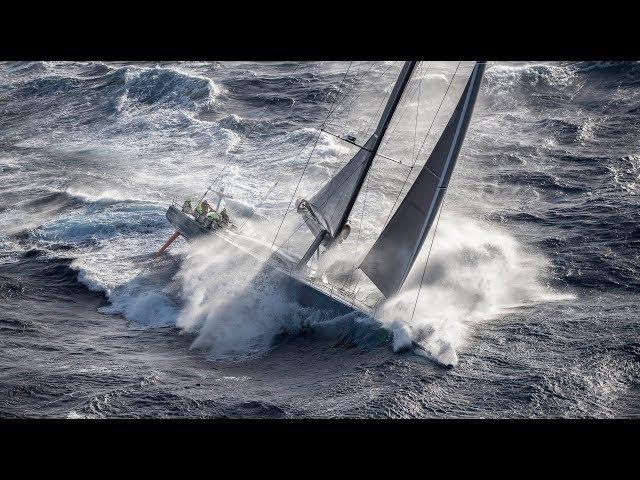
233	302
235	306
576	358
474	273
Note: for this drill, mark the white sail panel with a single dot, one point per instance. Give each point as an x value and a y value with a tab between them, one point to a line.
390	259
333	203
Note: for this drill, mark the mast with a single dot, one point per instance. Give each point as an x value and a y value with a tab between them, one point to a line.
327	212
393	254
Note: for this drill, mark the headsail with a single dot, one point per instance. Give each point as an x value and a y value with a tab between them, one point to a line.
390	259
329	209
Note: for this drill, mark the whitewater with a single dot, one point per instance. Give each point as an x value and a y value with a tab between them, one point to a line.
530	290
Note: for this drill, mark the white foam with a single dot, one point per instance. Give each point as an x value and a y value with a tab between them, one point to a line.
146	308
475	273
508	76
107	195
233	305
586	130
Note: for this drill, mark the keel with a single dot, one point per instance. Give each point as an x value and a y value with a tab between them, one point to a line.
172	239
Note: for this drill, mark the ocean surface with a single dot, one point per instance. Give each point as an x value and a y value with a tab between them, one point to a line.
530	286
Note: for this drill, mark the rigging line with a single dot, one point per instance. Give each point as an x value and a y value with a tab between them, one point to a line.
350	104
259	202
309	160
343	182
241	142
303	223
415	160
426	263
355	170
336	102
315	144
436	115
417	90
408	100
350	110
355	259
232	156
296	190
378	154
402	109
354	86
215	180
415	128
358	167
332	178
335	190
367	87
291	236
383	102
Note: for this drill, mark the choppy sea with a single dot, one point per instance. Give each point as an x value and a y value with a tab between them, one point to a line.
532	285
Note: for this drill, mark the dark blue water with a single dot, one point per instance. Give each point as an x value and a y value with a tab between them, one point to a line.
532	285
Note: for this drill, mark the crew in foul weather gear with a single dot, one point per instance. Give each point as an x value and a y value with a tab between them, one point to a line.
212	217
206	215
202	210
224	216
187	208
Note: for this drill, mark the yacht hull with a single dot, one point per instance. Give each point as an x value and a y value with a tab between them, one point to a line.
296	288
303	293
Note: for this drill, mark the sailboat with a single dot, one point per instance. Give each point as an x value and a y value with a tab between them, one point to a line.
326	214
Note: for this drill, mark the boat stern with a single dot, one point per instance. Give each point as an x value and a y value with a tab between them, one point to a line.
185	224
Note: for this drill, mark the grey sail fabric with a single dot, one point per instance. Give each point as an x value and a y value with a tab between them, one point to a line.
390	259
333	203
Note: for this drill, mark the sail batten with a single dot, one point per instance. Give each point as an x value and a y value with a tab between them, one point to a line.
393	254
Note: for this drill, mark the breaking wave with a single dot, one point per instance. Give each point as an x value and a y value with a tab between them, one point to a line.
236	308
474	274
233	305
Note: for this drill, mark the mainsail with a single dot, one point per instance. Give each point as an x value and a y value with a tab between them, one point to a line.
390	259
327	212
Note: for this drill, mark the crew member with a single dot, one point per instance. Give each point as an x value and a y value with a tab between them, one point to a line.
224	216
187	207
202	209
212	217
